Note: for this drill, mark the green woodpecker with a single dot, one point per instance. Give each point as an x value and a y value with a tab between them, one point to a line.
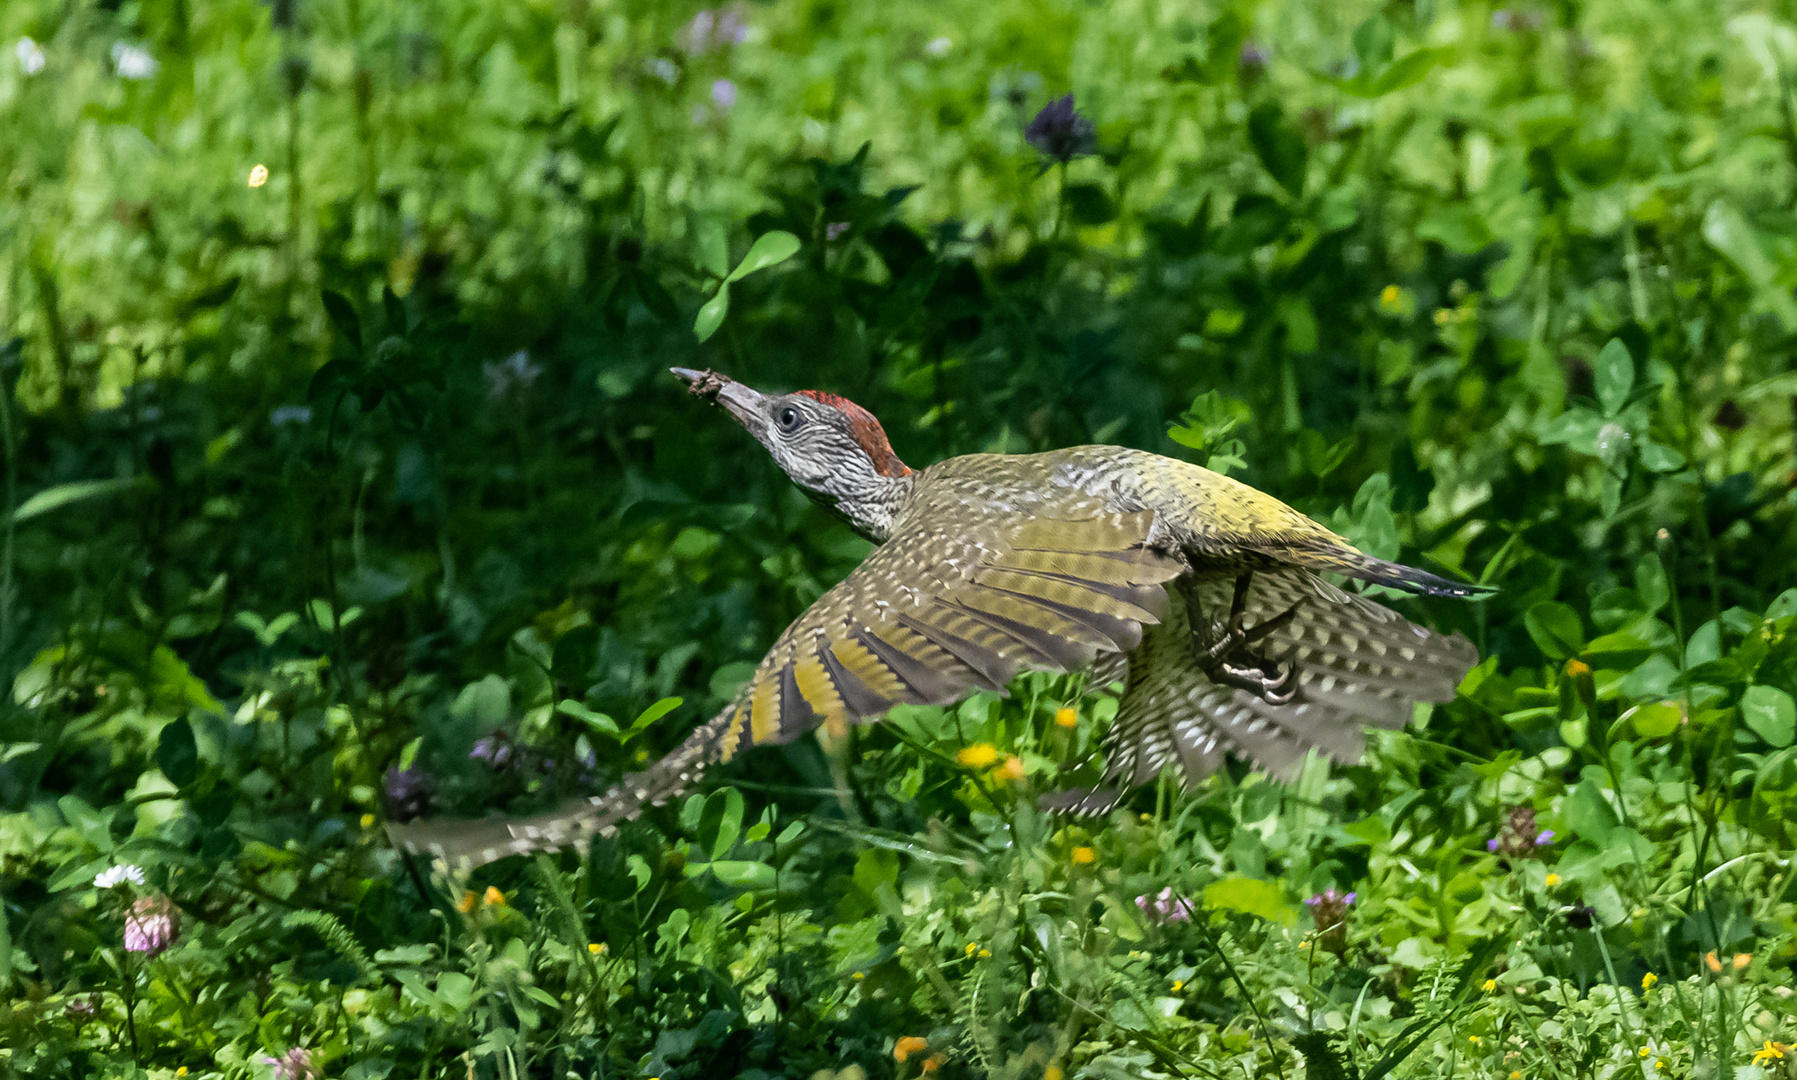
1203	595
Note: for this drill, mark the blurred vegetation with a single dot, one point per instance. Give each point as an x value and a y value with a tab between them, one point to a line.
343	480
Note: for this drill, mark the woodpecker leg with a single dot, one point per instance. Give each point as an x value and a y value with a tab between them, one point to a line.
1230	659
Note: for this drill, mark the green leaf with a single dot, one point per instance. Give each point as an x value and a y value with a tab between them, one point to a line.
1251	896
92	826
62	495
1407	71
598	721
1651	583
1615	371
177	755
344	318
711	316
1655	720
655	712
1457	227
1588	814
1280	147
769	249
1770	713
721	821
1659	458
739	873
1555	628
1727	230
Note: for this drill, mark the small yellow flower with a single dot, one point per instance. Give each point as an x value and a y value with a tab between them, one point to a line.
1648	980
493	897
1710	961
597	948
1659	1064
1053	1072
1066	717
985	954
858	976
972	947
1389	296
1645	1051
1178	985
1011	770
1577	668
1772	1051
466	903
1742	960
1552	880
259	176
1084	855
1515	1074
182	1071
1491	986
1475	1040
977	756
1442	315
368	821
1146	818
907	1046
933	1062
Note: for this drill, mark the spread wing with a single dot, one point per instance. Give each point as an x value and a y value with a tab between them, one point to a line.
931	617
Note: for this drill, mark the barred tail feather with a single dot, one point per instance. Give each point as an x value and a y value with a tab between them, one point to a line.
461	846
1341	559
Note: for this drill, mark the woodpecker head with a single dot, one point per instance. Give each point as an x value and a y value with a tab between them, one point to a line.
831	447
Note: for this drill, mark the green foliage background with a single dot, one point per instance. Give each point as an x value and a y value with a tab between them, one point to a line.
350	470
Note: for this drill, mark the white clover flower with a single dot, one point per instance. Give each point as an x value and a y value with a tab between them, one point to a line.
939	46
31	56
114	876
132	62
662	68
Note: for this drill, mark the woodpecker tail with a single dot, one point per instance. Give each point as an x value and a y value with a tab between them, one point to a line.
463	845
1314	554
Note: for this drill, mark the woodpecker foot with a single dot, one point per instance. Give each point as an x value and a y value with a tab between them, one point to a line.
1230	658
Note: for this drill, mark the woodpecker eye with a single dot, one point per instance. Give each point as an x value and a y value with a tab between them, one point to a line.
789	419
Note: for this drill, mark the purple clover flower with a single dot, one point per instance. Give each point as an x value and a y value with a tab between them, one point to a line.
495	750
152	925
1251	63
1520	834
1165	907
723	95
1330	910
408	792
1061	132
295	1064
835	229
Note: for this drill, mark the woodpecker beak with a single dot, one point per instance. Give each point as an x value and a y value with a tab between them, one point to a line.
748	406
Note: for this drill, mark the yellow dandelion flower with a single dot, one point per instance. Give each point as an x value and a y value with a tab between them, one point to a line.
1011	770
597	948
1083	855
1475	1040
466	903
1659	1064
368	821
259	176
1066	717
984	954
1648	980
977	756
1645	1051
907	1046
1553	880
1772	1051
493	897
1491	986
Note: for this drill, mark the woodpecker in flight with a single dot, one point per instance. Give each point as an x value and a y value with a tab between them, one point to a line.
1200	593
